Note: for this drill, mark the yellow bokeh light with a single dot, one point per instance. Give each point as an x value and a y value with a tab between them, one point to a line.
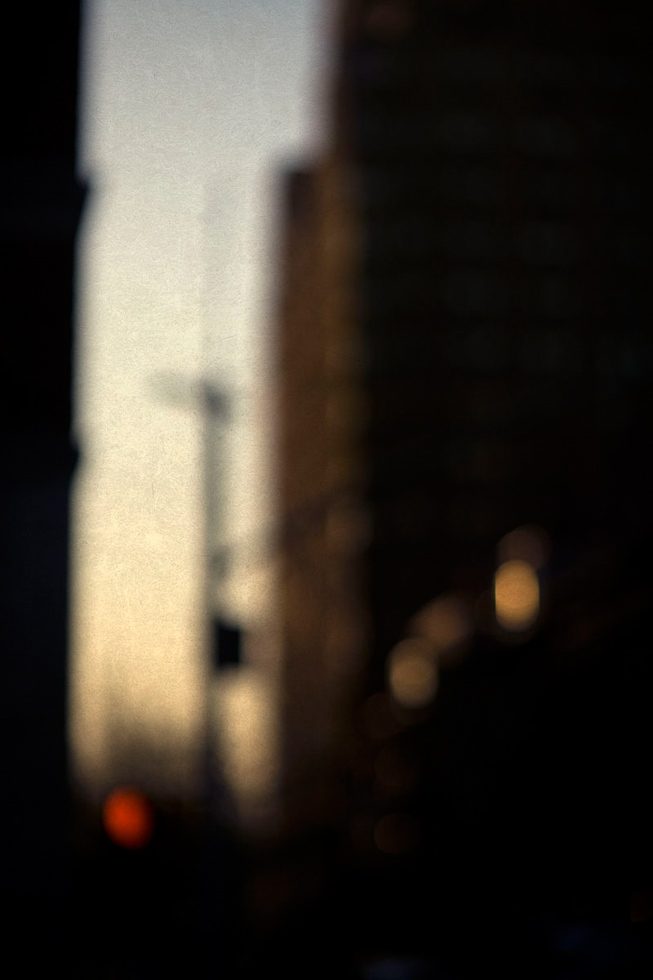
446	623
528	543
412	674
516	595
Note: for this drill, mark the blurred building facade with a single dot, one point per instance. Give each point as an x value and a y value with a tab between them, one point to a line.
323	525
477	240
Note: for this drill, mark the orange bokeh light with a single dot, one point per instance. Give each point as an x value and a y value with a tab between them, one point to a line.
128	818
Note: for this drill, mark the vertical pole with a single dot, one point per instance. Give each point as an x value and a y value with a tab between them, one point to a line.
218	871
213	413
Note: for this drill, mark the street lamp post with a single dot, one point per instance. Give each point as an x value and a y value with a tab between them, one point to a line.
212	402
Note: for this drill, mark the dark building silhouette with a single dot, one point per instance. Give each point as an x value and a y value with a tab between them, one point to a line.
488	194
501	170
40	217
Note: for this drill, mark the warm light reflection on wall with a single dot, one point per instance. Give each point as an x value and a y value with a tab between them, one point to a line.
516	595
412	674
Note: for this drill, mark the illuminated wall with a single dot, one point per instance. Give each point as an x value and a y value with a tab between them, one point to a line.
323	524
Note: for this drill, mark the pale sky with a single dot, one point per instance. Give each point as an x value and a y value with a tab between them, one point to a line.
191	110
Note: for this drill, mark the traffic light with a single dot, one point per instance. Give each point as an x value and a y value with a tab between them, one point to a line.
128	818
226	644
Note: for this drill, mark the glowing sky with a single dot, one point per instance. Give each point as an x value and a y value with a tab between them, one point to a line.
191	110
